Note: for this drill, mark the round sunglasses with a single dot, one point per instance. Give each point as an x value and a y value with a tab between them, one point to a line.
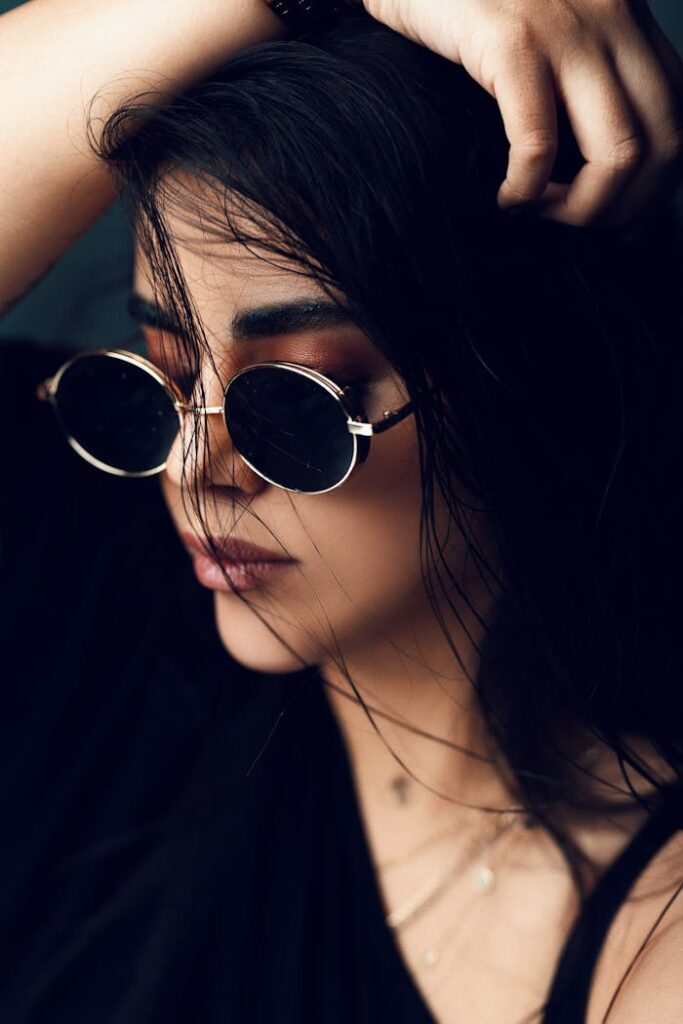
291	425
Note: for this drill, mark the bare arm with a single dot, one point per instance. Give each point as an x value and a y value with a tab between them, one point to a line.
55	57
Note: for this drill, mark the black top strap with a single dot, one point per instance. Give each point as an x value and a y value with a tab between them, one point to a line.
569	994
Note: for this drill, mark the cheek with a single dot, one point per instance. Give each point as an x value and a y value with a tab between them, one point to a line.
172	497
368	532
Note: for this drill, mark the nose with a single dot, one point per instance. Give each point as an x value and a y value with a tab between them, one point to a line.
204	454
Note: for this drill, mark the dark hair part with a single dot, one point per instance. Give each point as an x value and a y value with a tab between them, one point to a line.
545	364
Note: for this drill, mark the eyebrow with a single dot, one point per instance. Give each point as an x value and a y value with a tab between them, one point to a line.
259	322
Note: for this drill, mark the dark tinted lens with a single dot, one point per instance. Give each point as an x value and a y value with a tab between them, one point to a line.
117	412
290	428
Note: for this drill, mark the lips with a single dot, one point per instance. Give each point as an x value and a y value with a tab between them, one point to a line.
231	550
240	566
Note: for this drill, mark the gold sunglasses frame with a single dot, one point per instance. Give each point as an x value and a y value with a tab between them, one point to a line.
360	429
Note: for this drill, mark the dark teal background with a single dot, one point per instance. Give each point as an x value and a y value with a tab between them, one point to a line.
83	298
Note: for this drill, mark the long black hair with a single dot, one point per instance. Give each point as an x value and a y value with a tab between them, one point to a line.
544	362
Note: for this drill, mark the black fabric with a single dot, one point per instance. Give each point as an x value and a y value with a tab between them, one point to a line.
181	840
568	999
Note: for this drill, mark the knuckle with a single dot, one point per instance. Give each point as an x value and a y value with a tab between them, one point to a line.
625	154
571	26
522	192
512	37
537	145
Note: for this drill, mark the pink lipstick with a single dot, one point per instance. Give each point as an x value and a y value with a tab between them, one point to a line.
241	566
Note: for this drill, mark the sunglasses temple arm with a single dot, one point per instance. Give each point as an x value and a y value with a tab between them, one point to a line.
390	420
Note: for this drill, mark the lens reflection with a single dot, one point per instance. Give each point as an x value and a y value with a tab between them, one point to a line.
117	412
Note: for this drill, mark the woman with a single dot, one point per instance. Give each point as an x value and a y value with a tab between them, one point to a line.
422	451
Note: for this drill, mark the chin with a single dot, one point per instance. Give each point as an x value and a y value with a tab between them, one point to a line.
250	642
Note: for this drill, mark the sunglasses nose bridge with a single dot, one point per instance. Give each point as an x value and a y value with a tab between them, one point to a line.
203	449
199	410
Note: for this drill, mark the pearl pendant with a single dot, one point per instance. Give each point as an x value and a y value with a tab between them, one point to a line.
485	880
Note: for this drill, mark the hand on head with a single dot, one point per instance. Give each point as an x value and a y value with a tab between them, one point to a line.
606	62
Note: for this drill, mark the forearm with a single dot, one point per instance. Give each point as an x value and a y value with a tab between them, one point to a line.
56	56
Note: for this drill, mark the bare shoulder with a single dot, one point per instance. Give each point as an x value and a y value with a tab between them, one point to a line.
643	955
653	992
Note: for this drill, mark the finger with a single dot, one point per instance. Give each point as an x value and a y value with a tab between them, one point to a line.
609	137
654	96
528	106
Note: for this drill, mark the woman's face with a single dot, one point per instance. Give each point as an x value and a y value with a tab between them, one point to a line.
352	572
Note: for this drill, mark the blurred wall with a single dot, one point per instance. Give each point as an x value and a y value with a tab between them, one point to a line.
82	300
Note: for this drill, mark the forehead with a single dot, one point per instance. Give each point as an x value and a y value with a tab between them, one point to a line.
224	280
221	273
246	294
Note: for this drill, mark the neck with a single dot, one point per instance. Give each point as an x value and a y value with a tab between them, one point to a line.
428	754
427	763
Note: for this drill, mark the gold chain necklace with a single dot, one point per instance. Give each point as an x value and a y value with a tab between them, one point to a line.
424	844
435	886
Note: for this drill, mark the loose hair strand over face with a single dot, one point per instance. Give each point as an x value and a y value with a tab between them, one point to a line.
544	363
